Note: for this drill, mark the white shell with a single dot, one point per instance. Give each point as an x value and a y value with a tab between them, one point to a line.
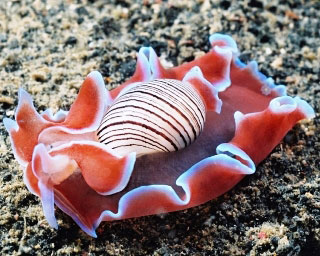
161	115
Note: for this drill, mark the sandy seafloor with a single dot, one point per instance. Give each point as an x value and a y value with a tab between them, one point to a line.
48	47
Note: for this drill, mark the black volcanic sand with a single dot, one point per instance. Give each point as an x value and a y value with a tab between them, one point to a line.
48	49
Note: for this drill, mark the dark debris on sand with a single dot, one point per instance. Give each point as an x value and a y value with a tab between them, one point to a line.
48	47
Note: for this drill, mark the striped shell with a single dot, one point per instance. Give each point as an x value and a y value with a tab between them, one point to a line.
159	116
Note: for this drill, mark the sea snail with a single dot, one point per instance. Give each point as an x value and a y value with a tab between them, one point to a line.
87	162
